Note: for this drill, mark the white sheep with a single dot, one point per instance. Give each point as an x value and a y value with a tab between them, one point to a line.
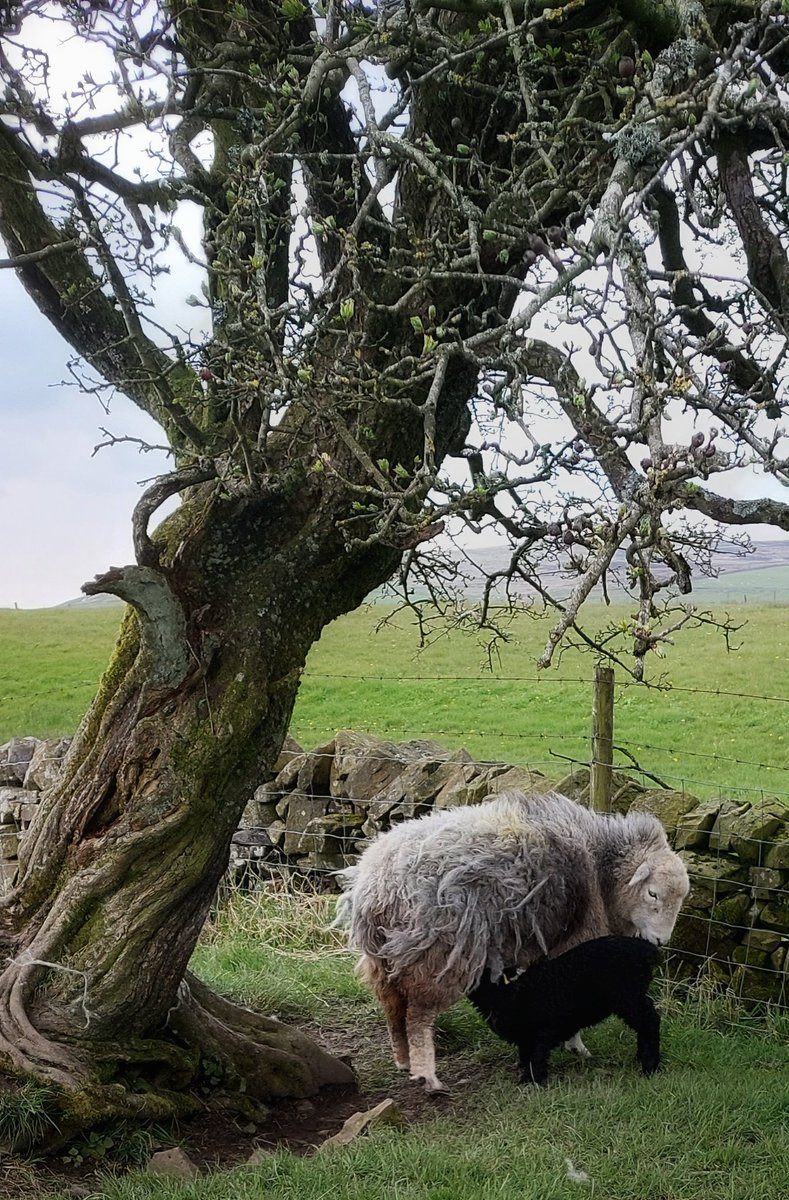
435	901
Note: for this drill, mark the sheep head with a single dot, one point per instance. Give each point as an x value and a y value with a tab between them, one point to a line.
652	897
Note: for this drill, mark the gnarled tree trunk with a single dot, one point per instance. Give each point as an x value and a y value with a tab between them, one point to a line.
530	146
122	862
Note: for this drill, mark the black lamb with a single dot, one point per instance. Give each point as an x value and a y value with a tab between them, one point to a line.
555	998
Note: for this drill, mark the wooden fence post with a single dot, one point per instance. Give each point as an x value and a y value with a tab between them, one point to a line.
602	740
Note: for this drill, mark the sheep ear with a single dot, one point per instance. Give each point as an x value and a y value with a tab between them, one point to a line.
643	872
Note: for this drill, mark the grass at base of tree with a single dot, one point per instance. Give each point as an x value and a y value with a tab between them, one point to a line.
712	1125
697	737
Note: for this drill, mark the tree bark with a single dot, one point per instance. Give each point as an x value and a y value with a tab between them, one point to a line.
120	867
290	520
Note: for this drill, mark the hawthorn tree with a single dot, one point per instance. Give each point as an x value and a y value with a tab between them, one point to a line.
478	263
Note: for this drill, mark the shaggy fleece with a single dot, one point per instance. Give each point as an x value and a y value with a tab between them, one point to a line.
495	884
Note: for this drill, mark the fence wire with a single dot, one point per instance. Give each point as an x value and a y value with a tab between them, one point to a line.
551	736
731	939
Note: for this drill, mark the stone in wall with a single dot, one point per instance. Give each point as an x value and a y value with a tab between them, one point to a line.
45	765
28	765
695	825
766	882
723	829
762	940
17	806
575	785
711	878
668	806
624	789
18	803
327	844
468	784
775	914
752	831
302	810
15	758
364	765
412	792
778	855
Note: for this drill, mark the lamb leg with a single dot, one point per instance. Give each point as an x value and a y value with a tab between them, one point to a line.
534	1062
643	1017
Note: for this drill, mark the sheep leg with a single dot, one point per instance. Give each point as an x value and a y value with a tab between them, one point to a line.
576	1043
643	1017
534	1061
394	1005
392	1001
421	1048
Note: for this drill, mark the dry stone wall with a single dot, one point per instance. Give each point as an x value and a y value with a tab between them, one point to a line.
27	766
322	808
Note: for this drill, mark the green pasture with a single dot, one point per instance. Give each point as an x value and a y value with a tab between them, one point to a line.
710	733
710	1126
51	660
760	585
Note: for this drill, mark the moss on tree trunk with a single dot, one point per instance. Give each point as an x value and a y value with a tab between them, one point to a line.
121	865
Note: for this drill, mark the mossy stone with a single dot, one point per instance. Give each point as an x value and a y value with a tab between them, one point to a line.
721	832
668	806
693	827
711	878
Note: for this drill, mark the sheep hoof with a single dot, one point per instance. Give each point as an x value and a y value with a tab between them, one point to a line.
576	1044
433	1086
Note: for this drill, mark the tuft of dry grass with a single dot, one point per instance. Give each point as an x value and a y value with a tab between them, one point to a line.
289	915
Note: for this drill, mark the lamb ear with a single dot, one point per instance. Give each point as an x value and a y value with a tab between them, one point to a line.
643	872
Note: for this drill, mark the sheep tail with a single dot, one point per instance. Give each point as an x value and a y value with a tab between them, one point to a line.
344	912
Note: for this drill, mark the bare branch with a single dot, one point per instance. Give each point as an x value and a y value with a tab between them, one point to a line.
23	260
146	552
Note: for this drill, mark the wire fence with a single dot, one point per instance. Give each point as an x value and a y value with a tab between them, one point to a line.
550	738
734	929
735	925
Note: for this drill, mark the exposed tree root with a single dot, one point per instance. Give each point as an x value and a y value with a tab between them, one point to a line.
213	1054
272	1059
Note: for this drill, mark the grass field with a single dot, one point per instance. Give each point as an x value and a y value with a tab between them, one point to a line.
761	585
710	1126
50	662
695	736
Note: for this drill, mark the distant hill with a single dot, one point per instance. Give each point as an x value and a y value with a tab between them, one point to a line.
765	554
762	575
729	560
102	601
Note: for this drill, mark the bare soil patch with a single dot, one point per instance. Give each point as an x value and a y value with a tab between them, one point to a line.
217	1140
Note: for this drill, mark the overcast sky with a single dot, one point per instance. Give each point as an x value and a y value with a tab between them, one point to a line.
65	514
